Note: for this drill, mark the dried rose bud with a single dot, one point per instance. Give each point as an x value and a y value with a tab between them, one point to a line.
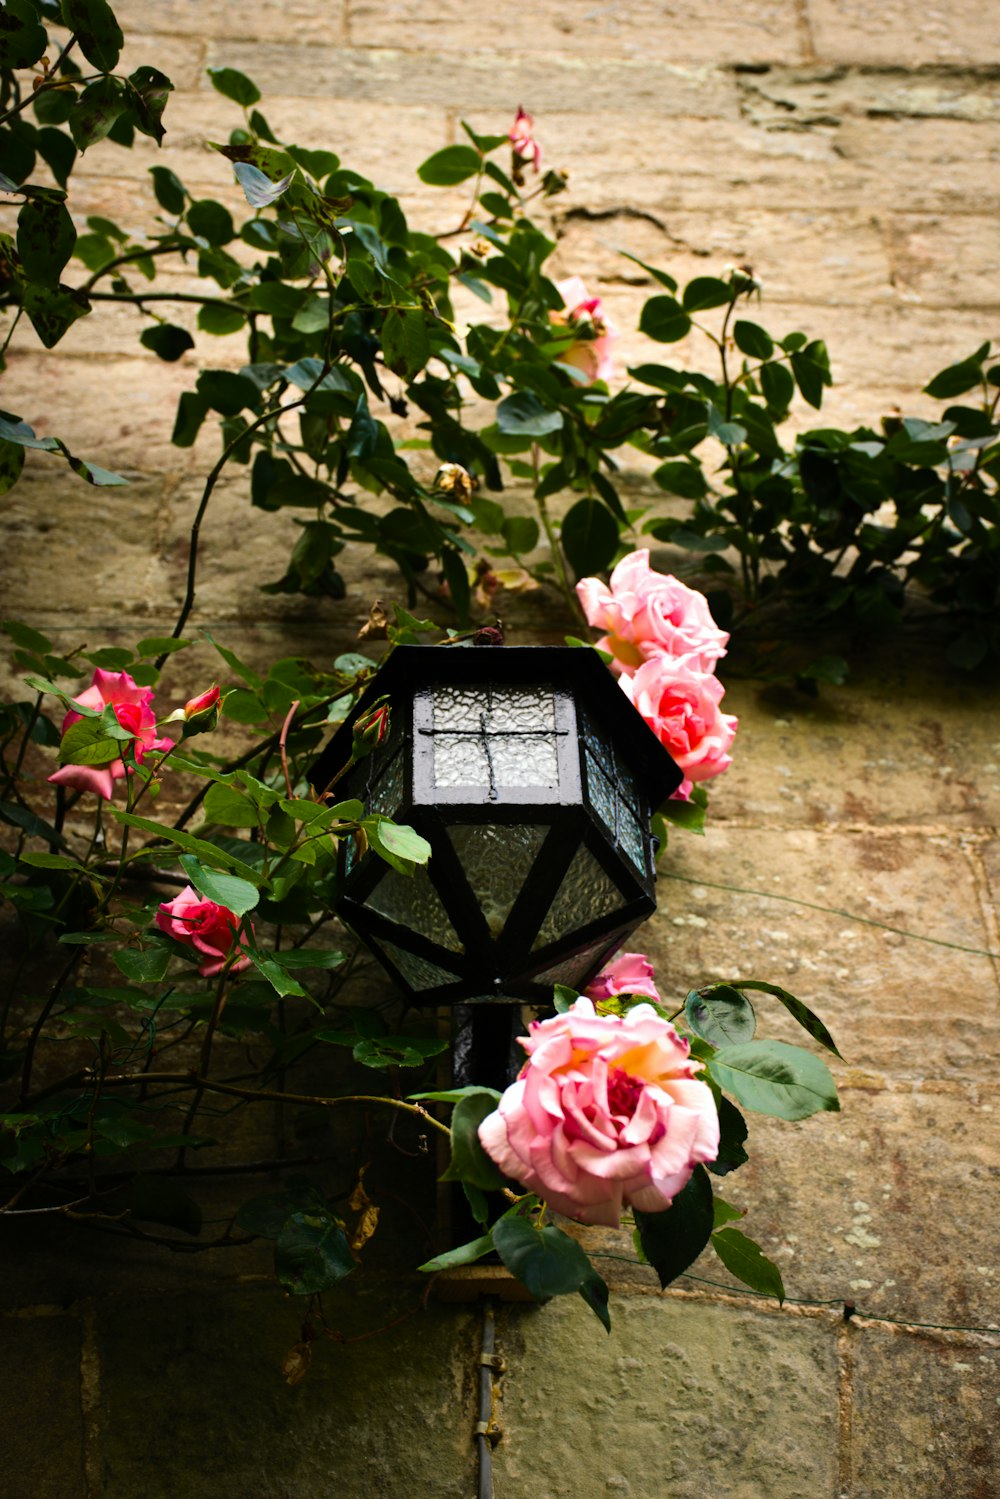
453	479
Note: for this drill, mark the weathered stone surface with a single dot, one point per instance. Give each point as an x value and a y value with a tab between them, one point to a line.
800	98
194	1400
41	1421
924	1415
681	1400
960	33
944	261
214	18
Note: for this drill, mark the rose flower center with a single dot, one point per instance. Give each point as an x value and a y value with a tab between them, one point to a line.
623	1092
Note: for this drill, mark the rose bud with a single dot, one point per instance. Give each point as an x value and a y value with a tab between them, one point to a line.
371	728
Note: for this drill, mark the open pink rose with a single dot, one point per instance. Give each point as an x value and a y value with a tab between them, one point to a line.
607	1112
591	352
526	148
680	702
627	973
133	710
209	928
645	612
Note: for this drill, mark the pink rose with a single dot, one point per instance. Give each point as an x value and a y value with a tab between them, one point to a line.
680	702
591	352
607	1112
627	973
133	710
208	928
526	148
645	612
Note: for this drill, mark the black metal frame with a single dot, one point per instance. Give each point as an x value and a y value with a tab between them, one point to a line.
508	966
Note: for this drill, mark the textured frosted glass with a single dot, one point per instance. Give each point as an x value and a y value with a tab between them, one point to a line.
527	761
586	894
572	971
497	861
386	795
630	836
498	736
419	973
598	744
601	793
414	903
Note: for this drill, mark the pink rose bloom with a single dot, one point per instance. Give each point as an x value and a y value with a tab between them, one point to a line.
607	1112
526	148
645	612
209	928
133	710
591	353
680	702
627	973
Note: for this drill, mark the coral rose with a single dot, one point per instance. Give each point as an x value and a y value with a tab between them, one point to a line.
645	612
607	1112
680	703
627	973
209	928
591	352
134	712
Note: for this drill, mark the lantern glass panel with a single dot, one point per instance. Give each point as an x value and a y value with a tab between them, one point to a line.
586	894
497	861
495	736
386	795
571	971
414	902
419	973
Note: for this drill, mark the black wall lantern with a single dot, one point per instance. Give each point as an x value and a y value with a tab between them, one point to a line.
533	779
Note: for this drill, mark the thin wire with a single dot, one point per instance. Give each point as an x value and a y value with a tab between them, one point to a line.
794	900
851	1310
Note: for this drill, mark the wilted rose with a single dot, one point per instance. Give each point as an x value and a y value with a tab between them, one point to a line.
133	710
211	929
645	613
680	703
591	350
607	1113
627	973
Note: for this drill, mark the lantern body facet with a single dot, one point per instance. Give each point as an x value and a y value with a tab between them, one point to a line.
533	778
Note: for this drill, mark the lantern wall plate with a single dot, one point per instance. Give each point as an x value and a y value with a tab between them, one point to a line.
533	779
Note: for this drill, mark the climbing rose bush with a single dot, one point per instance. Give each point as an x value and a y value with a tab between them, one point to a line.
209	928
607	1113
133	707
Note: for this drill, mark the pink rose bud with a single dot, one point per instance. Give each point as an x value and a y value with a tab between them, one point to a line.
210	929
608	1112
203	702
371	729
527	151
627	973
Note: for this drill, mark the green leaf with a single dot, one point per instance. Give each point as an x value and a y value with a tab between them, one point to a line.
743	1258
799	1011
53	311
169	190
281	982
98	34
45	238
406	346
192	410
724	1212
96	110
547	1261
774	1078
752	339
227	392
149	91
157	1199
235	85
589	537
452	165
50	861
87	742
396	1051
230	807
705	292
11	464
220	321
469	1161
27	638
143	965
523	415
778	386
721	1015
520	532
664	319
311	1254
217	858
594	1291
397	844
465	1254
167	341
671	1241
210	221
22	40
684	479
236	895
956	379
811	369
732	1134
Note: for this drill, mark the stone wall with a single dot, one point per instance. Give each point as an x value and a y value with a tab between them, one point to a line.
849	154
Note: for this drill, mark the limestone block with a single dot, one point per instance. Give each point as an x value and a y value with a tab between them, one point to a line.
681	1400
799	98
216	19
918	165
41	1425
945	261
960	33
